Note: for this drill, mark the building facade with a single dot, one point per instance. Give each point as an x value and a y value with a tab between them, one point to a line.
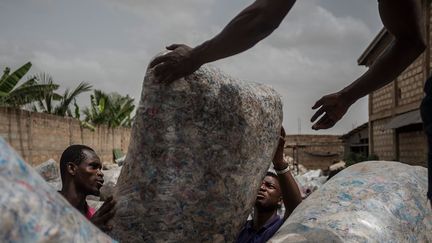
395	126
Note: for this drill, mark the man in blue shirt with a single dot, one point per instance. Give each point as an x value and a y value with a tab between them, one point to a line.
274	189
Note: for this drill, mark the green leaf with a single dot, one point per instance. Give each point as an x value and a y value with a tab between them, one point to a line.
28	94
7	84
68	97
5	74
77	110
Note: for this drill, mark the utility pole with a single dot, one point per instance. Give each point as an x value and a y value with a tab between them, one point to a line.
298	125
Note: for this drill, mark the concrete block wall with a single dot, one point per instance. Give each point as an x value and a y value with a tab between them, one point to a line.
38	137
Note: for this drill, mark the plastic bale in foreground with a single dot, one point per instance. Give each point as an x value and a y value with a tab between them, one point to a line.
373	201
31	211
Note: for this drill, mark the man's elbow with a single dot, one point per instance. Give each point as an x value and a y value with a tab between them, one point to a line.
266	16
265	26
421	46
416	44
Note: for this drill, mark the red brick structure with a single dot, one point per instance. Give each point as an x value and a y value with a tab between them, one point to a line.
38	137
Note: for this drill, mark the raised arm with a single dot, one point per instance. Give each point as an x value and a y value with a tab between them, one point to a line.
251	25
290	192
402	18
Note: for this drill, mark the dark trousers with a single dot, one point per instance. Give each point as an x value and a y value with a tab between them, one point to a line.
426	114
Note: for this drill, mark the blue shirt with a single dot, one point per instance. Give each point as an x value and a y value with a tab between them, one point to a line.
249	235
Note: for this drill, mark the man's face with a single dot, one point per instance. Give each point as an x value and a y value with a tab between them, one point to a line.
269	195
89	176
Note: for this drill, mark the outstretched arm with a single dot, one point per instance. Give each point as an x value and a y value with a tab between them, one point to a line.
402	18
290	192
250	26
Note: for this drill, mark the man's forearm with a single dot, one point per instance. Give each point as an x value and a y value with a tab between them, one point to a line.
395	60
248	28
290	192
402	18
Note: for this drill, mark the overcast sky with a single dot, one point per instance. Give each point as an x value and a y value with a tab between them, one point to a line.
109	43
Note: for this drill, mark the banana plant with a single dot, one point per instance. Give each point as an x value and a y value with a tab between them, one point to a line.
26	93
111	109
54	103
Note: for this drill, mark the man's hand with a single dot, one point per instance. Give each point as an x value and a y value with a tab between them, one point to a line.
175	64
333	106
278	160
104	214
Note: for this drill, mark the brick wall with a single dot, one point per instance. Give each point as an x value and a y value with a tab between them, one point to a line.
383	140
412	148
382	99
410	83
401	96
310	146
429	48
38	137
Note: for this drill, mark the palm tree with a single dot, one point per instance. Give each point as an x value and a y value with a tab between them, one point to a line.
46	104
56	104
26	93
83	123
97	113
121	108
63	108
111	109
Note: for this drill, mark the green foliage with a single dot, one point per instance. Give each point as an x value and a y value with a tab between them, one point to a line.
54	103
26	93
39	93
63	108
77	114
111	109
354	158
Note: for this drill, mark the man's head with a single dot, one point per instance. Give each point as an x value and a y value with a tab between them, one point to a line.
81	166
269	196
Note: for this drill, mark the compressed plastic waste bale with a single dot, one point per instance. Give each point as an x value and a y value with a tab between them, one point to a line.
310	181
368	202
110	180
56	184
199	150
49	170
32	211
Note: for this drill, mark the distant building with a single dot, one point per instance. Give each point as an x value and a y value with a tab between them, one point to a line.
357	141
314	151
395	126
